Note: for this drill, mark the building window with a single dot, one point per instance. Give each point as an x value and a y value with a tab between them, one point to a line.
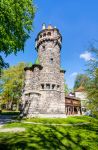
44	34
49	33
47	86
58	87
53	86
51	60
40	36
43	46
42	86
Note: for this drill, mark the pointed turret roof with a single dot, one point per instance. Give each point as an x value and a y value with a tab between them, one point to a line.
80	89
37	61
29	64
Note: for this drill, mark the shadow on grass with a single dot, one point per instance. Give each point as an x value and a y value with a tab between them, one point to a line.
38	137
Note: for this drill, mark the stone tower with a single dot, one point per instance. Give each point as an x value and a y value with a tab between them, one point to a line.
43	94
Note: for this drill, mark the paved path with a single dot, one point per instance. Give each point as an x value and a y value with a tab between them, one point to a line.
7	119
20	129
16	129
4	121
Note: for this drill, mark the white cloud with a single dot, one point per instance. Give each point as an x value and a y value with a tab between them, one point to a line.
86	56
74	74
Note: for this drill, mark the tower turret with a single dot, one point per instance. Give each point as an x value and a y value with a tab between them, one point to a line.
48	46
47	79
48	34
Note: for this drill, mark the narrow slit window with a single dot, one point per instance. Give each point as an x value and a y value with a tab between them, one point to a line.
53	86
47	86
58	87
43	46
42	86
51	60
40	36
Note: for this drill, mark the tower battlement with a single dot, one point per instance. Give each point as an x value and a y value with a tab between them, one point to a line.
48	34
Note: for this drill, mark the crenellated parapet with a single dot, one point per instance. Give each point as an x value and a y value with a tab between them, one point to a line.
33	67
32	78
48	34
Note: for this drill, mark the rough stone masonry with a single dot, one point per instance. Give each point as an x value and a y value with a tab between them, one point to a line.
43	93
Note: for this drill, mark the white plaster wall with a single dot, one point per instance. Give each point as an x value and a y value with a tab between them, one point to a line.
81	95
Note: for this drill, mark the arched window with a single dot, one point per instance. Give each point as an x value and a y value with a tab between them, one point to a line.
49	33
44	34
48	86
40	36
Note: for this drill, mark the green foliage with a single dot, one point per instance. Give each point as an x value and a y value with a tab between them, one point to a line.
81	80
3	65
92	84
92	92
66	89
11	84
16	19
50	137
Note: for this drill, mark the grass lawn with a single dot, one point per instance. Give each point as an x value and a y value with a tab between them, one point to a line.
48	137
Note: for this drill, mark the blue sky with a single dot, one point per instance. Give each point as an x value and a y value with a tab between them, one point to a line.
77	21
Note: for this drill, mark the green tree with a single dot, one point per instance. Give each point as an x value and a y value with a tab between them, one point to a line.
92	84
16	19
66	89
11	84
92	93
2	65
